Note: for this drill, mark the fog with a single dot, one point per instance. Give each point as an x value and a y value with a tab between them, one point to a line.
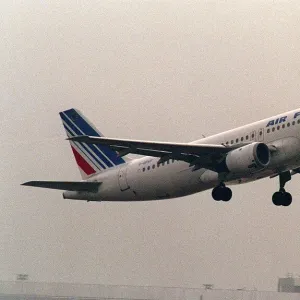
154	70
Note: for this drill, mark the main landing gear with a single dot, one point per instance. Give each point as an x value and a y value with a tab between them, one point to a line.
221	193
282	198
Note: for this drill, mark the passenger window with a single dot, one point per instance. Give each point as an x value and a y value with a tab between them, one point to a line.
268	131
247	137
231	142
158	164
227	143
283	125
298	121
153	166
273	129
278	127
252	135
242	139
237	140
288	124
293	122
144	169
148	167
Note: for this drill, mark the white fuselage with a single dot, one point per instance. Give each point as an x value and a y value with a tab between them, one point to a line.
145	179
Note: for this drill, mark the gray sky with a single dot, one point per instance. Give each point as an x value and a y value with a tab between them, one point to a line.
157	70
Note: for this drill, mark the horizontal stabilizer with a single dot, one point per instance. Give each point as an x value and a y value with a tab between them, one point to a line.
79	186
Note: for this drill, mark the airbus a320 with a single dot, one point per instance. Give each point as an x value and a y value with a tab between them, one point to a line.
164	170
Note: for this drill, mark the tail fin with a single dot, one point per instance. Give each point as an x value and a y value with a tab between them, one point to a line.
91	159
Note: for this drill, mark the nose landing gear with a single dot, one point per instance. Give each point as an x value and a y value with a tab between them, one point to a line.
222	193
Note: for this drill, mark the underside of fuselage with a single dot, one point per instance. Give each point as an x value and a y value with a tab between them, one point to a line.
182	182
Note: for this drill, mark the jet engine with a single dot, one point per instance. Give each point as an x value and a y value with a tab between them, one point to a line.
247	159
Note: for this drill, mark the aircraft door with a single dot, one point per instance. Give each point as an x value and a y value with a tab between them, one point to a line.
123	179
260	135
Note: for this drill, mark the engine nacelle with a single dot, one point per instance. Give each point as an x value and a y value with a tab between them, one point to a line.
247	159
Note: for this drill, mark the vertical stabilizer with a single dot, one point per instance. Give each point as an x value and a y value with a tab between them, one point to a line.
91	159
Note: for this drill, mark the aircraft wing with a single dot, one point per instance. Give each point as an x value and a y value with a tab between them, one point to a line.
66	185
192	153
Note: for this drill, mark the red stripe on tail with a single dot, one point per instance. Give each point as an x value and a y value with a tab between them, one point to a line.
81	162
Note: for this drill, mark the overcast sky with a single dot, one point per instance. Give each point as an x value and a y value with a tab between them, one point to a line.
156	70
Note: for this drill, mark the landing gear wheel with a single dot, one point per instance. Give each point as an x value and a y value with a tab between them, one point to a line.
217	194
276	199
282	198
222	193
287	199
227	194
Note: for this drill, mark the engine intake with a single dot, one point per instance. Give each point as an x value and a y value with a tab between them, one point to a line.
247	159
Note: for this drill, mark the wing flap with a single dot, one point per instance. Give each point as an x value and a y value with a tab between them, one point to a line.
66	185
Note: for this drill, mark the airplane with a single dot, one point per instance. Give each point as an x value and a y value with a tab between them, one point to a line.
165	170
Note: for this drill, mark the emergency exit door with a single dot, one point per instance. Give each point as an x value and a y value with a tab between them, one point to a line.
260	137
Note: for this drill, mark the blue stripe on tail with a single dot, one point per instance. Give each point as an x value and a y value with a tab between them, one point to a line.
84	149
81	126
91	149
